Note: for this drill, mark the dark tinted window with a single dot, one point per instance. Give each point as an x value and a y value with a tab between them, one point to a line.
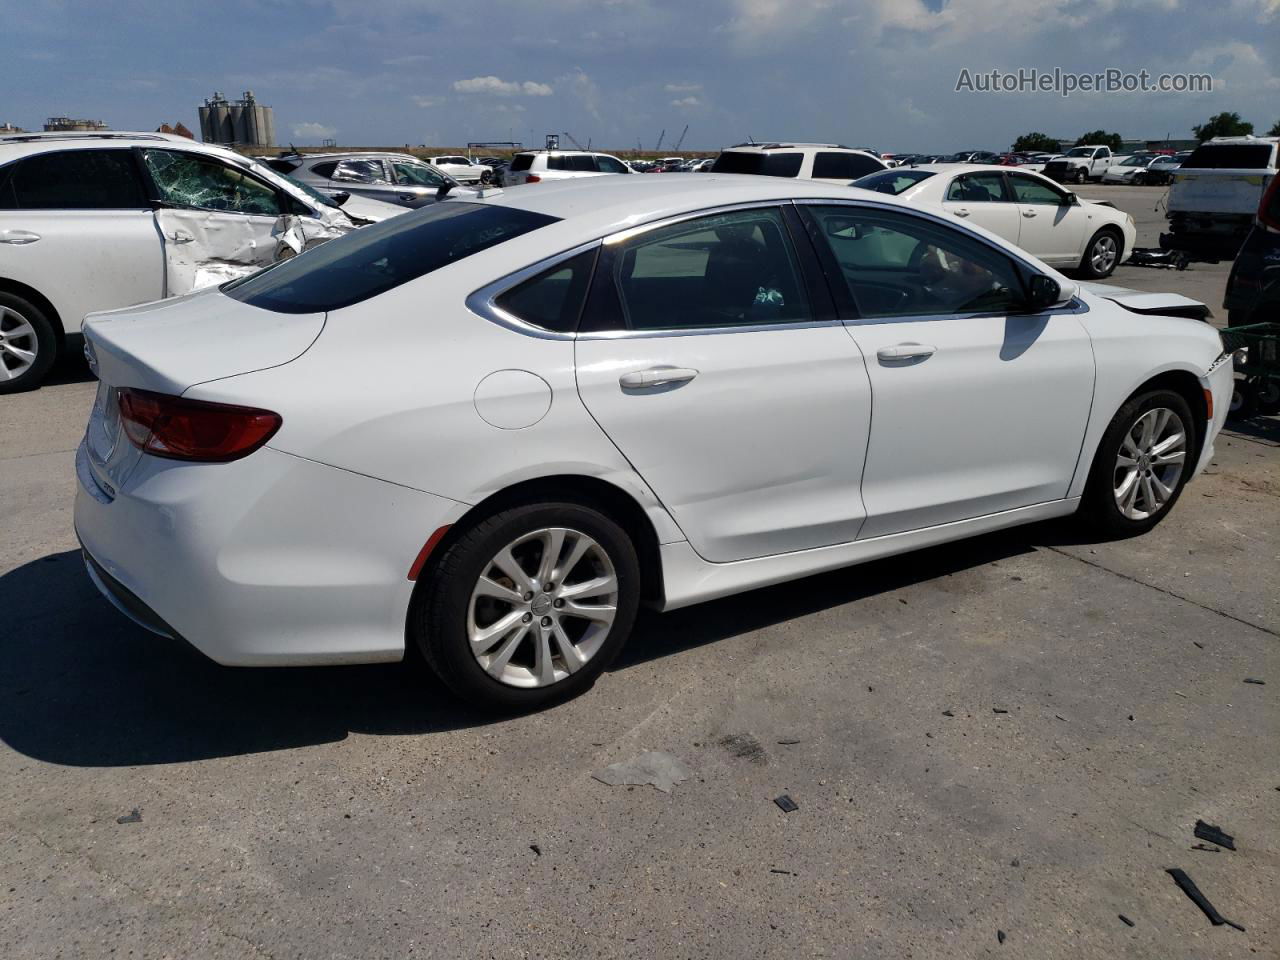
899	265
893	182
1230	156
521	161
844	166
325	169
553	299
74	180
377	258
195	180
726	270
758	164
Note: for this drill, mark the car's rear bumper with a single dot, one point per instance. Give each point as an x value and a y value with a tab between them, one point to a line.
271	560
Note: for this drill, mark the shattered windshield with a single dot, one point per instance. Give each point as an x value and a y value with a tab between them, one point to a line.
311	192
193	180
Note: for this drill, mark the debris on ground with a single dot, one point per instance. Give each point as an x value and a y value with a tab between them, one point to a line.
947	713
788	743
1000	936
786	804
786	873
745	747
1015	862
1198	644
1201	846
1207	831
1188	886
133	816
1125	920
537	850
661	770
1261	683
998	710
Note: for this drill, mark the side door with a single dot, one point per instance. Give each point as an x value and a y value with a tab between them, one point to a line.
364	178
77	227
217	222
1101	160
714	361
981	198
1053	226
416	184
977	406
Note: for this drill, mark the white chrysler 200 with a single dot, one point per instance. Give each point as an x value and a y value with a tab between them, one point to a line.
491	428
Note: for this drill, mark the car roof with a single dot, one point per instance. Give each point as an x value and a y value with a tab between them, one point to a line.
352	155
581	153
763	147
955	168
22	144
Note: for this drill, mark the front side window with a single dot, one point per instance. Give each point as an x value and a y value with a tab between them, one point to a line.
731	269
610	165
377	258
553	299
1030	190
977	188
899	265
193	180
416	175
832	165
73	180
759	164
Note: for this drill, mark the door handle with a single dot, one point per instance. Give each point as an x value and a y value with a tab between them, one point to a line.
18	237
181	236
407	197
1028	213
906	351
656	377
962	212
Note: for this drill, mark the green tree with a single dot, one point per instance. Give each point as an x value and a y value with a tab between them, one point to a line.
1038	142
1112	140
1223	125
1275	130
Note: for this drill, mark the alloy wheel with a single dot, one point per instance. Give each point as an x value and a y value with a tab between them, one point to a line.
1102	256
1149	463
542	607
18	344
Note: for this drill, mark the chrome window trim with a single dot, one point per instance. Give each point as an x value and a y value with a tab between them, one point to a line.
483	302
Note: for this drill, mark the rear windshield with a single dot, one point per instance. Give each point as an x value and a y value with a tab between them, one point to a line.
521	161
374	259
759	164
892	181
1230	156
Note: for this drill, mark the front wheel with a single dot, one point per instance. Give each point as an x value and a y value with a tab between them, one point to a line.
529	607
1081	176
1141	466
1102	255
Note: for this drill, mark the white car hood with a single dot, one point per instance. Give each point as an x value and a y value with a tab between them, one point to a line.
366	208
1142	301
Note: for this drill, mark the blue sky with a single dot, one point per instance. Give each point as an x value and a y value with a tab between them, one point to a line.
864	72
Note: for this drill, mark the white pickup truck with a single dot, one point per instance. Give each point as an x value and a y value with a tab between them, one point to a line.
1216	193
1088	162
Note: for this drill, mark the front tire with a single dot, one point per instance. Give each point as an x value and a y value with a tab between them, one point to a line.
1081	176
1141	466
28	344
528	607
1102	255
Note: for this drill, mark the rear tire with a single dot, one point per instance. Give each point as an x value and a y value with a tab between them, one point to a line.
28	344
509	630
1138	475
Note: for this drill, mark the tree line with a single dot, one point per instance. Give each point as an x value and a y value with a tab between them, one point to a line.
1225	124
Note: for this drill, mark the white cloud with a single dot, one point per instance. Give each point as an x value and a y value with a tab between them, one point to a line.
428	101
686	102
406	60
683	87
502	88
583	89
313	131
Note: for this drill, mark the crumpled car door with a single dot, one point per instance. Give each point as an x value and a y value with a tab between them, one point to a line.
218	222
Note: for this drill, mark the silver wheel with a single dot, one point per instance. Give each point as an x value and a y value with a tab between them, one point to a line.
1103	253
18	344
1149	464
542	608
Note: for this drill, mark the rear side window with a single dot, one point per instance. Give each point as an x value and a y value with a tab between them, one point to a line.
521	161
1230	156
830	165
758	164
893	182
553	299
74	180
378	258
325	169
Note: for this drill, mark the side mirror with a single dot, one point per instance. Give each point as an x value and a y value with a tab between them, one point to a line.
1070	200
340	197
1044	293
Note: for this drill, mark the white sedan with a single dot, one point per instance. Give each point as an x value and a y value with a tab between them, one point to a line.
492	428
1027	209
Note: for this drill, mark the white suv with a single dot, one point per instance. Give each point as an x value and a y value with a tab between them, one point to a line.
462	169
535	166
830	162
96	221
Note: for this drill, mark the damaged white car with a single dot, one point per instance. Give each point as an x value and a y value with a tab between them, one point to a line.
96	221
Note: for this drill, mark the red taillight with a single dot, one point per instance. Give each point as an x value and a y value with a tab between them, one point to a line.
179	429
1269	208
532	178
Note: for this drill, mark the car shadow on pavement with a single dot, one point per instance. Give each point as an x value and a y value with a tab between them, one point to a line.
81	685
